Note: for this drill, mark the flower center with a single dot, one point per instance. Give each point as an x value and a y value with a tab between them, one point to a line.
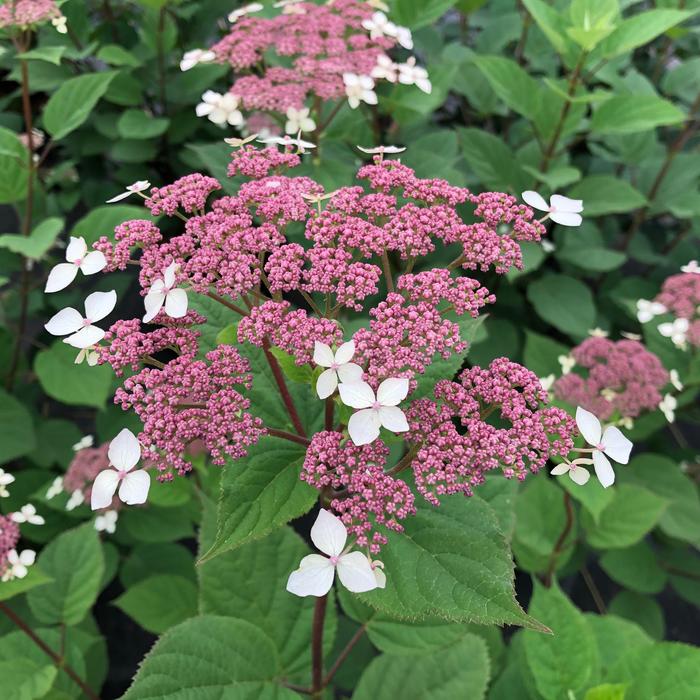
600	446
334	365
86	322
376	405
122	474
334	560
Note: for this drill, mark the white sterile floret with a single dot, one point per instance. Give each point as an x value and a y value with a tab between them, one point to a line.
691	268
86	441
18	564
381	150
77	498
575	469
136	188
668	406
107	522
385	69
411	74
81	330
339	367
245	10
288	141
5	480
675	380
676	330
193	58
567	362
359	88
298	120
560	209
164	293
647	310
220	109
27	514
55	488
78	259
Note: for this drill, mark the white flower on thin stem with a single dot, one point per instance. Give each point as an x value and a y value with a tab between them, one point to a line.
676	330
245	10
60	24
299	120
107	522
381	150
5	480
692	268
561	210
288	141
163	292
316	573
81	331
340	367
359	88
385	69
377	411
124	453
192	58
55	488
136	188
18	564
598	333
646	310
220	109
77	498
567	362
668	407
379	25
27	514
87	441
237	143
611	443
411	74
675	380
575	469
78	259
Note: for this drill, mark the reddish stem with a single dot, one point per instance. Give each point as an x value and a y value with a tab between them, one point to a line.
282	386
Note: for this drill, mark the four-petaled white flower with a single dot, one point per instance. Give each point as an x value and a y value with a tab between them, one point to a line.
547	381
610	442
385	69
675	380
567	362
124	453
288	141
316	573
27	514
164	292
404	37
359	88
377	411
245	10
668	406
237	143
299	120
86	441
88	355
646	310
77	498
220	109
411	74
5	480
81	331
18	564
691	268
339	367
107	522
55	488
379	25
381	150
192	58
78	259
560	209
136	188
598	333
575	469
676	330
60	24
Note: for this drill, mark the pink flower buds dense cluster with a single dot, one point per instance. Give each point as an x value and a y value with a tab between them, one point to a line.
23	13
622	377
9	537
84	467
680	294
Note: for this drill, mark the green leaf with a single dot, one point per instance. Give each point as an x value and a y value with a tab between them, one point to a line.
25	679
75	563
71	104
17	436
155	524
640	609
550	656
541	354
161	558
607	691
565	302
102	221
210	658
550	22
35	577
259	493
629	114
37	243
302	374
635	568
593	21
63	380
591	495
50	54
117	55
447	673
136	124
605	194
13	167
632	513
594	259
615	636
414	15
451	562
159	602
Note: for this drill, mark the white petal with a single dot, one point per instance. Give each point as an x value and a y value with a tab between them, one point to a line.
86	337
363	426
589	426
124	451
169	274
153	301
344	353
60	277
27	557
103	489
327	383
100	304
323	355
350	373
356	394
561	203
93	262
379	577
535	200
76	249
313	577
580	475
617	446
328	533
134	487
355	572
393	418
603	469
666	329
176	303
119	197
64	322
392	391
565	218
560	469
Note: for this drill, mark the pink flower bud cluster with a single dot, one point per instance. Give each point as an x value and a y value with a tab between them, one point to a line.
257	163
130	234
189	194
363	495
622	377
680	294
23	13
9	537
84	467
502	421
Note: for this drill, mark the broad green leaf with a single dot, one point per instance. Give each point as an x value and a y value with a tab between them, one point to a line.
451	562
635	568
550	22
640	609
414	15
565	302
13	167
591	495
55	439
593	20
76	385
550	657
136	124
35	577
102	221
615	636
448	673
607	691
162	558
51	54
210	658
291	369
159	602
541	354
629	114
605	194
594	259
259	493
75	562
154	524
25	679
37	243
118	56
71	104
17	435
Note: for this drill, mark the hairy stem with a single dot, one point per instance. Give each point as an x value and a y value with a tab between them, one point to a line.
228	304
289	436
317	647
283	389
559	545
344	654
